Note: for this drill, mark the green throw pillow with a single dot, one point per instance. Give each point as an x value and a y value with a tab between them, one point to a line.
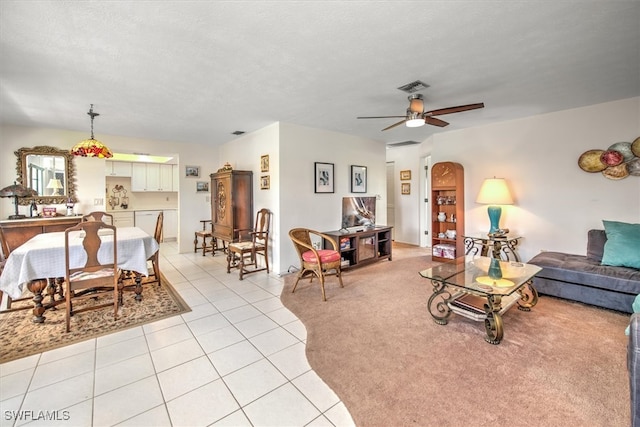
623	244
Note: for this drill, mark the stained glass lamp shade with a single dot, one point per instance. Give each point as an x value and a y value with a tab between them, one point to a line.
91	147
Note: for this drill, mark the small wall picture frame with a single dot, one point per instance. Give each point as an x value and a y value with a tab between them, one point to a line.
49	212
202	186
265	182
324	177
264	163
406	188
405	175
192	171
358	179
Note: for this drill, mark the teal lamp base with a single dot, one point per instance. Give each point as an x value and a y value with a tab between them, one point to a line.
495	271
494	218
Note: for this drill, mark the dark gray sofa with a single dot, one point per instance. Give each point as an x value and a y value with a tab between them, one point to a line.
582	278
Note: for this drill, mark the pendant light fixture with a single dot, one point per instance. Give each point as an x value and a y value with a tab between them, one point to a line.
91	147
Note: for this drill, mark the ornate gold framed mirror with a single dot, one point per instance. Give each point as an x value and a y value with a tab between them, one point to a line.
49	171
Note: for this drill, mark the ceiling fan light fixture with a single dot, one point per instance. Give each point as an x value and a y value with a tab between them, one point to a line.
416	103
414	120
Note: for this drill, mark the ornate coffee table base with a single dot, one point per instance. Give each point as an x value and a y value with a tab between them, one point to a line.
440	309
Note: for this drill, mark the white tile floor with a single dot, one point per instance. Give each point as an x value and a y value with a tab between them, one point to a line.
237	359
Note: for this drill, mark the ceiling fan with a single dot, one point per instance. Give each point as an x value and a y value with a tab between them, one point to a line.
416	116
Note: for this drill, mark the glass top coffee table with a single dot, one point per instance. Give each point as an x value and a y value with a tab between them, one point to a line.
481	289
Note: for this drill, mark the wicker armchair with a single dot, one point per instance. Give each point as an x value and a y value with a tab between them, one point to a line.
315	262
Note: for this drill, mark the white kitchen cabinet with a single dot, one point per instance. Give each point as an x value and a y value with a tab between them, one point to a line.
165	175
118	168
175	177
123	219
170	225
138	177
152	177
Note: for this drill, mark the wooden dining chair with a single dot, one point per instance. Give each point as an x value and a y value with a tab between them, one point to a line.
96	277
131	280
107	218
5	250
243	254
155	258
315	262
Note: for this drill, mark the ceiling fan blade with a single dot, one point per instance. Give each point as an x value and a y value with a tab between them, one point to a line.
435	122
457	109
395	124
381	117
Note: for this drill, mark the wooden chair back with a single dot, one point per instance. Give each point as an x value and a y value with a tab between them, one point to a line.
95	276
157	234
99	216
242	253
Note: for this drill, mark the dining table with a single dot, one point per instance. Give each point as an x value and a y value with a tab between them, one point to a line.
39	263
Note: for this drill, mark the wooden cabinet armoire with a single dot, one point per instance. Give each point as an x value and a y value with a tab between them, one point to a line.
232	203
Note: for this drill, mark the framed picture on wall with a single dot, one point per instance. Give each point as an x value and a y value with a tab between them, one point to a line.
264	163
202	186
406	188
405	175
265	182
323	177
358	179
192	171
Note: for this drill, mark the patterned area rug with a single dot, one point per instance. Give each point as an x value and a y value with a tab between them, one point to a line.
20	337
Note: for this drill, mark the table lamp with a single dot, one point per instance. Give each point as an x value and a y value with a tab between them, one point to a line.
55	185
494	192
15	191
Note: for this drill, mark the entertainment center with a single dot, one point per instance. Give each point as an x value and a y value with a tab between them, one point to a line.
363	246
360	241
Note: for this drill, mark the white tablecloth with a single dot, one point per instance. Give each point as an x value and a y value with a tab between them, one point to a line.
43	256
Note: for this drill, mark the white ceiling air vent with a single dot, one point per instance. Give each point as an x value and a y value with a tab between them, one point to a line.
414	87
400	144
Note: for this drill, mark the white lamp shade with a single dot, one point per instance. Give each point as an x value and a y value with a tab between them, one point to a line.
494	191
54	183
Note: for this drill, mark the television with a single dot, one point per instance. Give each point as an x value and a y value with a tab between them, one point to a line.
358	212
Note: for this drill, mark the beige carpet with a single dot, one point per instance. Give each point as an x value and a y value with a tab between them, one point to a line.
375	344
20	337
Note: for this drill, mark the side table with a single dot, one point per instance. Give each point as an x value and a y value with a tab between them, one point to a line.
503	248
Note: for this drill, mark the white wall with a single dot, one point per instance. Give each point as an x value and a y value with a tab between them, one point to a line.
90	177
300	148
556	203
407	213
292	152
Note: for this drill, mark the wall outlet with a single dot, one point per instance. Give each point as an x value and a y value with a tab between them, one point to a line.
98	202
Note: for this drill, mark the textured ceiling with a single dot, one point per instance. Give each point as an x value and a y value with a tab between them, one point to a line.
196	71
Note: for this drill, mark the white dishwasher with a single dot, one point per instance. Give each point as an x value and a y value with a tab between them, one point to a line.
147	220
